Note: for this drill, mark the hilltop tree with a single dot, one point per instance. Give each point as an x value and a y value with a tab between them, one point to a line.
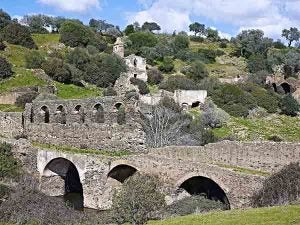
212	35
197	28
37	23
151	26
129	29
100	25
293	34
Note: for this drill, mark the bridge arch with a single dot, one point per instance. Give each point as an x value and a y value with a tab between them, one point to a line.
122	172
201	184
60	177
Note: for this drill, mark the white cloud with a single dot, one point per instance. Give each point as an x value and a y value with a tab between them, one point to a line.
269	15
72	5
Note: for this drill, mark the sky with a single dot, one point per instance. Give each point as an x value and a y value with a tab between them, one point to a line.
229	17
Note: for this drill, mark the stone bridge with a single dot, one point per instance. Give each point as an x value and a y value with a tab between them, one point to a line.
228	171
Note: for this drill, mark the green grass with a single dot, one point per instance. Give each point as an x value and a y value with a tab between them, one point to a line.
243	170
70	91
10	108
15	54
45	39
73	150
21	78
286	215
285	127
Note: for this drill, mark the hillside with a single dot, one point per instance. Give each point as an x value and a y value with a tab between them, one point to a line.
286	215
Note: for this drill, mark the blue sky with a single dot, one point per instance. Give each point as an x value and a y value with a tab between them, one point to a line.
228	16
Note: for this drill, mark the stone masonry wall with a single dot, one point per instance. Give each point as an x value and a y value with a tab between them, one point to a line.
10	124
76	123
265	156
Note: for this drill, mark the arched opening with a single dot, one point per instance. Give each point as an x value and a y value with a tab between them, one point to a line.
206	187
286	87
69	185
122	172
196	104
275	87
98	114
61	115
185	106
45	114
31	116
135	62
80	112
121	114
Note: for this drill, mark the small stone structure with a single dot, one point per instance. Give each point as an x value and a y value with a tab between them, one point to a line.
190	98
118	48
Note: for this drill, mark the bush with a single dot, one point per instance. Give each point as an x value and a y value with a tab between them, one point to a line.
212	116
57	70
257	63
289	105
193	204
197	39
258	113
143	88
223	44
233	100
197	71
258	77
137	200
178	83
17	34
132	95
2	46
5	19
75	34
154	76
181	42
167	65
22	100
142	39
281	188
9	166
5	69
34	60
79	57
110	91
210	54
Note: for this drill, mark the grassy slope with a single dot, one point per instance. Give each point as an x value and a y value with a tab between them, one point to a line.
24	78
288	128
287	215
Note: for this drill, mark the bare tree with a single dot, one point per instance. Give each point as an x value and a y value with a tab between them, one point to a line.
163	125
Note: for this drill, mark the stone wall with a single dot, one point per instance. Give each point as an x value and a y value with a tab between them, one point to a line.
265	156
190	97
89	123
11	124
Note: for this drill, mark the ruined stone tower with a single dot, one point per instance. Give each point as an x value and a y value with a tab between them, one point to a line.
119	47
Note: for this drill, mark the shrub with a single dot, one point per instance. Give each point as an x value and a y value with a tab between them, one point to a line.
132	95
167	65
289	105
259	77
2	46
57	70
223	44
92	50
79	57
257	63
4	192
34	60
197	71
170	103
17	34
154	76
181	42
75	34
143	88
281	188
5	69
193	204
142	39
210	54
5	19
9	166
178	83
110	91
22	100
212	116
138	200
210	84
197	39
258	113
233	100
275	139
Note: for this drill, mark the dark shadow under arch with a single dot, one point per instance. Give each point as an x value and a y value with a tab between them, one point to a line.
196	104
46	114
122	172
199	185
68	172
274	87
286	87
98	114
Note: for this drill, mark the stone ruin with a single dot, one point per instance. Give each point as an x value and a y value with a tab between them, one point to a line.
137	68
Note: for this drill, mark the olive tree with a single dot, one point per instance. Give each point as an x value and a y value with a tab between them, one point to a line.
138	200
293	34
